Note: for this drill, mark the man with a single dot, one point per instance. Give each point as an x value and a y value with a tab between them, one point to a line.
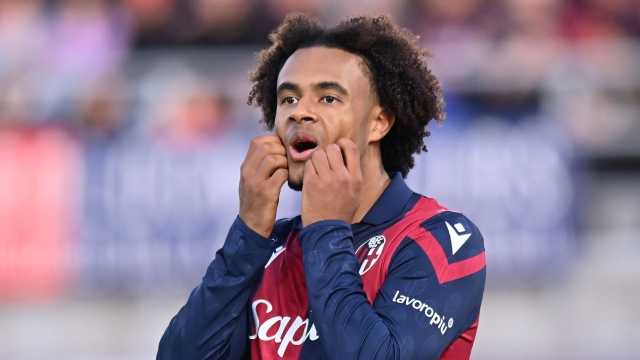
370	270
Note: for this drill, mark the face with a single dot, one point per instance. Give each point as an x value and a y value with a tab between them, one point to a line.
323	95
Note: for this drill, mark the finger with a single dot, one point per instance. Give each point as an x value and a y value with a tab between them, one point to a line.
309	170
279	177
334	156
269	165
255	144
264	149
351	156
320	162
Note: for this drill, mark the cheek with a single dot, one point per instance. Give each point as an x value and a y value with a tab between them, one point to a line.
359	134
362	143
345	127
279	128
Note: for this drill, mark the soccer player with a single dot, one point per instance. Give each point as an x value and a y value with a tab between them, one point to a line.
370	269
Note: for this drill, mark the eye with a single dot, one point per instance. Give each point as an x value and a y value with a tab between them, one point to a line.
289	100
329	99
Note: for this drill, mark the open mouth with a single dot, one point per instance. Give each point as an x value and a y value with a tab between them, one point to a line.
302	147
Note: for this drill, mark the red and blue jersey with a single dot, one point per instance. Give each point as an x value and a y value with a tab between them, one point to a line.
404	283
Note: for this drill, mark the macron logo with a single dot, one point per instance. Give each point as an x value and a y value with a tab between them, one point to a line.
457	240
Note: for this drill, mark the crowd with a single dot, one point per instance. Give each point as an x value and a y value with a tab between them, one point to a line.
53	53
148	99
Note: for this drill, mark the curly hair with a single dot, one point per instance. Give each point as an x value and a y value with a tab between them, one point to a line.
397	71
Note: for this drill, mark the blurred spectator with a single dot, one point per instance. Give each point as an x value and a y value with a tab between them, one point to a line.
212	22
336	10
22	38
225	22
268	15
534	19
22	33
530	44
456	32
443	21
191	115
278	9
244	21
103	108
157	22
86	39
597	19
17	101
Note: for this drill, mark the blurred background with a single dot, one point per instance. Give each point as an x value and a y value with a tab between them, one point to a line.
123	125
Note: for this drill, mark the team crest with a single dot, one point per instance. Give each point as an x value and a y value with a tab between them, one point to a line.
369	252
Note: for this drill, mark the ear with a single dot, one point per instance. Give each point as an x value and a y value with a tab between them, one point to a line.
381	123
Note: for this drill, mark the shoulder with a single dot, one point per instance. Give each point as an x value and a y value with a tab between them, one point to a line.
455	233
457	236
451	242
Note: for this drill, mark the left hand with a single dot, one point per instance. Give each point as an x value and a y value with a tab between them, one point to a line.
331	189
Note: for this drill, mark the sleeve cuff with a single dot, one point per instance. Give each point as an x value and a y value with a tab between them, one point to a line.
323	223
250	234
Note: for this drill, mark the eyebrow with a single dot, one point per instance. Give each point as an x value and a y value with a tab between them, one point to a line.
326	85
323	85
287	86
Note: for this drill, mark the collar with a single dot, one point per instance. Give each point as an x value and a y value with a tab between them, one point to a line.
389	204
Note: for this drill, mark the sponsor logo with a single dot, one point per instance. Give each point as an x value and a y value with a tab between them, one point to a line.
279	250
280	329
436	319
371	253
457	240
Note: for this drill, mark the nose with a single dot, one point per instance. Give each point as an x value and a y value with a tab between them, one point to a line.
303	112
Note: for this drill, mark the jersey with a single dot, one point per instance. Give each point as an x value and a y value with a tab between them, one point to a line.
404	283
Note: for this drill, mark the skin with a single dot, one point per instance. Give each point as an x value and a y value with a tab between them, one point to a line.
325	93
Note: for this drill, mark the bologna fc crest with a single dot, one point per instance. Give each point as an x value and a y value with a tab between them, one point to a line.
369	252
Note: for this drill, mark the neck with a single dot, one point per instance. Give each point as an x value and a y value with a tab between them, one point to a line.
374	180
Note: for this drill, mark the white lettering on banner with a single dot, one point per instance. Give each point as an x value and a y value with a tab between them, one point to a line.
263	329
436	319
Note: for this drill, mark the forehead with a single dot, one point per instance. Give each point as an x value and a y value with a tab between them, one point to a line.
317	64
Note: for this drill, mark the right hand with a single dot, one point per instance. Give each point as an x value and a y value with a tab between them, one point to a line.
262	174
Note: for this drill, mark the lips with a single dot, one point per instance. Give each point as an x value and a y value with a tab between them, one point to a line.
302	145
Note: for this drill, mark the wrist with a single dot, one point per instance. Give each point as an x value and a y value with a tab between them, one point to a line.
309	219
312	233
255	227
326	222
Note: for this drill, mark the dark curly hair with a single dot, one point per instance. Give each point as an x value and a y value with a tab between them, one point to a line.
397	72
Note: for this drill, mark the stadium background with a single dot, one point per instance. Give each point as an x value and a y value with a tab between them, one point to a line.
123	123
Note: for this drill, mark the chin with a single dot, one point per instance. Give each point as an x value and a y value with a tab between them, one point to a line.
296	175
295	184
